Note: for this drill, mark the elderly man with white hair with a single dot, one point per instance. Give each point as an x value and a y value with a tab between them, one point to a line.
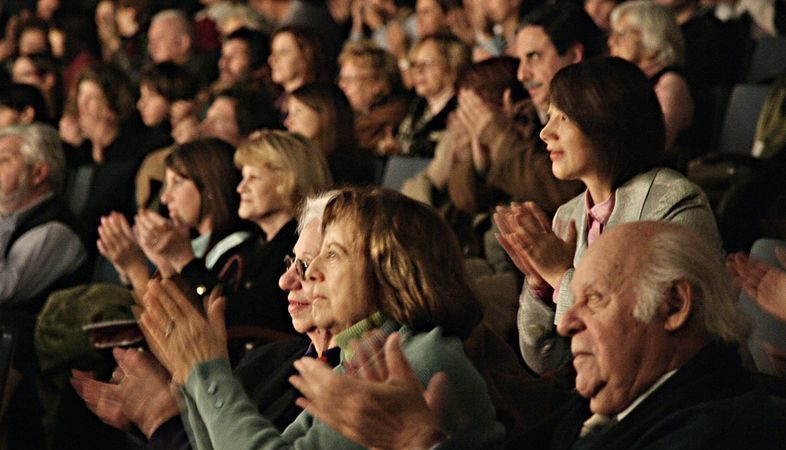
654	336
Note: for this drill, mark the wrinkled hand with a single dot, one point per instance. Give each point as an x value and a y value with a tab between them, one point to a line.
177	333
117	243
388	410
101	398
762	281
144	390
164	241
526	235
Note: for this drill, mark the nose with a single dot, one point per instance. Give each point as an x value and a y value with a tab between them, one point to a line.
165	195
547	133
289	281
140	104
570	324
522	74
241	186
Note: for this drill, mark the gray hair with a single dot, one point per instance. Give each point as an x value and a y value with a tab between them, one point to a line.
659	29
675	254
314	208
41	142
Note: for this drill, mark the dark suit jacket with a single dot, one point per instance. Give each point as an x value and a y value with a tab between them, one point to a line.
710	403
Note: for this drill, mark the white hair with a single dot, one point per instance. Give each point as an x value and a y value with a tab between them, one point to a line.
314	208
659	30
40	142
179	16
675	253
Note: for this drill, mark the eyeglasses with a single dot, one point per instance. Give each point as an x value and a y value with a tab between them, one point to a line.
300	266
422	65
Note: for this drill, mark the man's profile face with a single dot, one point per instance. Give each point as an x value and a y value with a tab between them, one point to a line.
539	61
14	174
616	356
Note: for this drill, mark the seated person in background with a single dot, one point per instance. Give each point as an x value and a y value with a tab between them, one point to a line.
606	130
145	396
43	72
21	104
160	87
437	62
655	353
390	277
243	60
371	80
513	158
321	113
40	251
39	247
647	35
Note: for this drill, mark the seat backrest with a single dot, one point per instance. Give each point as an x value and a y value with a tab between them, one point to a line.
768	59
742	114
767	330
400	168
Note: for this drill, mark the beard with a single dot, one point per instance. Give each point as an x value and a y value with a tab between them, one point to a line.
11	200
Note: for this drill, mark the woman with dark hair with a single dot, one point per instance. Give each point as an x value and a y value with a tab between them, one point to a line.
378	269
321	113
605	129
199	194
297	56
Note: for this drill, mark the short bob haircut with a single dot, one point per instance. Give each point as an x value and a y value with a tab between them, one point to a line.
115	86
415	280
456	53
301	165
319	65
208	163
490	79
381	63
659	30
613	103
337	122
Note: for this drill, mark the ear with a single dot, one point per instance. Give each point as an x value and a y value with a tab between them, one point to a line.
39	173
679	305
28	115
575	53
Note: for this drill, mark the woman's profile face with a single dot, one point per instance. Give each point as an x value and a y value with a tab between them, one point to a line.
183	200
572	157
431	74
302	119
287	62
340	296
298	289
260	192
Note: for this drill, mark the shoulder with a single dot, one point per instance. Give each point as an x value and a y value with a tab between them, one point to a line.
571	207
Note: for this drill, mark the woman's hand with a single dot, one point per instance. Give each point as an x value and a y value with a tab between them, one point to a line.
177	333
526	236
101	398
117	243
144	390
762	281
69	129
163	241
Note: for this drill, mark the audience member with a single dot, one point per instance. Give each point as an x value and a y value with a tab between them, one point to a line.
40	251
264	371
171	38
371	80
762	281
437	62
33	37
656	361
42	72
357	287
647	35
21	104
514	159
605	129
242	62
322	113
600	12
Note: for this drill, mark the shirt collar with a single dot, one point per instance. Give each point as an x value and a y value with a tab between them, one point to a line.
625	412
356	331
600	212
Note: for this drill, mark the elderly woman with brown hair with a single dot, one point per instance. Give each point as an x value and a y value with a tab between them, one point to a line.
371	80
389	277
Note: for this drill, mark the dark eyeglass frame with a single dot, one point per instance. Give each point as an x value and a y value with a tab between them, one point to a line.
300	266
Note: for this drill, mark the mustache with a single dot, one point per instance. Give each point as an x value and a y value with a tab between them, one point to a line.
532	84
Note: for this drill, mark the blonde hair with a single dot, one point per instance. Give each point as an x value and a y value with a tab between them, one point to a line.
301	166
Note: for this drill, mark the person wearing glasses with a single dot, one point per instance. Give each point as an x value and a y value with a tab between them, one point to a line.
389	277
436	62
144	393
